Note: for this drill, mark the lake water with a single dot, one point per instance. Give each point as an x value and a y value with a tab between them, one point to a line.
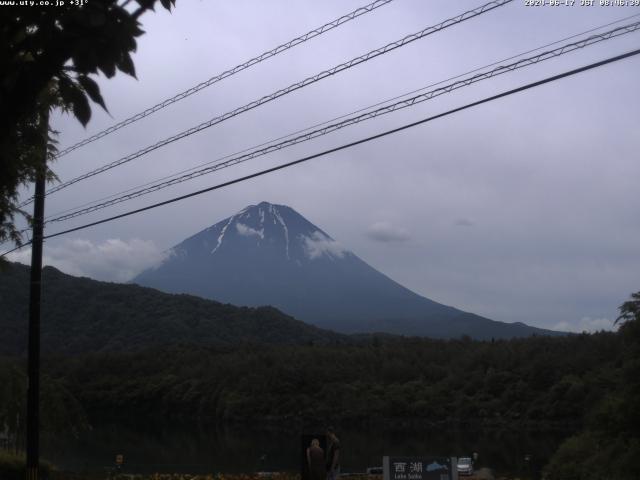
189	449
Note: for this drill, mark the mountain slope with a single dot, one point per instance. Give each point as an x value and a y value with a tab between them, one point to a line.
270	255
82	315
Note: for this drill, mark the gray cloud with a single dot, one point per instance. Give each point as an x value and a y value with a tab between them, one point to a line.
463	222
112	260
586	324
247	231
386	232
318	245
549	185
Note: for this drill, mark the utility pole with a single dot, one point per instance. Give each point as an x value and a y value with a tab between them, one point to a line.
33	388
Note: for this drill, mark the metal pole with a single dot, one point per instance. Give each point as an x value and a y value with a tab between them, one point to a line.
33	389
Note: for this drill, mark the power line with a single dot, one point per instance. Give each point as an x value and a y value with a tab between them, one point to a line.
296	86
363	109
227	73
345	146
18	247
360	118
357	142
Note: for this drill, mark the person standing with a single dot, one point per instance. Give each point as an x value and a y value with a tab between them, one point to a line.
316	461
333	455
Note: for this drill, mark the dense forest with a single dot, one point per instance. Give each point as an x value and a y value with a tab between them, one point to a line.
588	384
608	447
160	356
81	315
540	381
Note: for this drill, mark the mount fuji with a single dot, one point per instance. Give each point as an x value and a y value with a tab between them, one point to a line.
269	254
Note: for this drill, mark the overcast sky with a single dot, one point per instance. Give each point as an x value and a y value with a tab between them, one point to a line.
525	209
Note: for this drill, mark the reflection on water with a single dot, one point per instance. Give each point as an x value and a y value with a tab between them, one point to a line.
212	449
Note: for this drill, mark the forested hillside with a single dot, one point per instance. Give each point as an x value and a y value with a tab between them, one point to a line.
587	384
81	315
608	447
539	381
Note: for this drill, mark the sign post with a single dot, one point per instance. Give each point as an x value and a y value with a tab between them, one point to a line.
420	468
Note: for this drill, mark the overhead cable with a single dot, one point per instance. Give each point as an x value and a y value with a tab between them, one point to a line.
296	86
359	118
17	247
360	110
352	144
227	73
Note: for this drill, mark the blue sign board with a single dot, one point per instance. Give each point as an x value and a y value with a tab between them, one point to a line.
420	468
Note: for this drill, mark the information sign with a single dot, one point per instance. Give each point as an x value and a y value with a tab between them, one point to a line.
420	468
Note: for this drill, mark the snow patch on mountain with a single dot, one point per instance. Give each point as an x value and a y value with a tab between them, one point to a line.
221	236
273	217
276	214
172	253
320	244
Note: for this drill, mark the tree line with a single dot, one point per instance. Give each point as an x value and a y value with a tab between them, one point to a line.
586	384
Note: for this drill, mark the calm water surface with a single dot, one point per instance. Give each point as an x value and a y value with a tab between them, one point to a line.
188	449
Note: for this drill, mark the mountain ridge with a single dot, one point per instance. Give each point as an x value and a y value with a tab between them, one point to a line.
81	315
270	254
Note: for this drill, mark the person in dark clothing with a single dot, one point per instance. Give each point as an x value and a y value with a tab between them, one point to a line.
333	455
316	461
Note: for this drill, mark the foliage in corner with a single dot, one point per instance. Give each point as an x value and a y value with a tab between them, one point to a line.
609	446
46	58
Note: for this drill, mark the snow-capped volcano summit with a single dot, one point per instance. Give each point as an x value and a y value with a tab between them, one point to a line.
269	254
275	230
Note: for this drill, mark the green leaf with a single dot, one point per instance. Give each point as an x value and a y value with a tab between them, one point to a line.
167	4
92	89
73	95
146	4
81	108
97	19
65	87
126	65
108	68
